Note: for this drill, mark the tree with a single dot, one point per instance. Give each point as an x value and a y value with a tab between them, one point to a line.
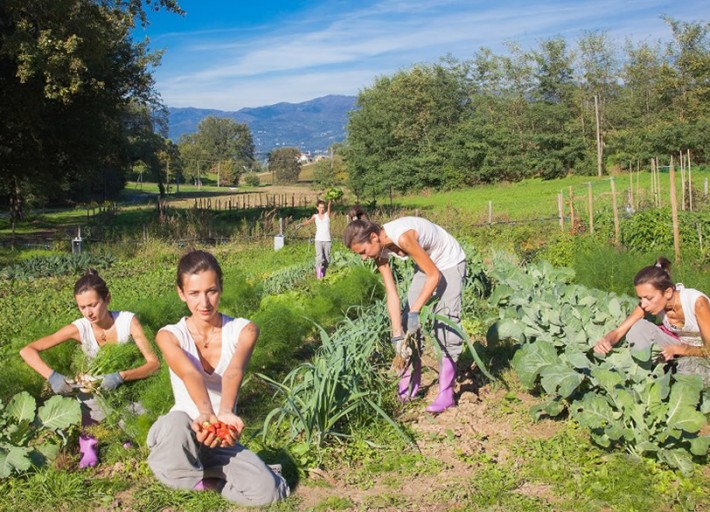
69	74
219	144
285	165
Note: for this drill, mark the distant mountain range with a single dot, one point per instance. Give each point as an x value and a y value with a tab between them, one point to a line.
312	126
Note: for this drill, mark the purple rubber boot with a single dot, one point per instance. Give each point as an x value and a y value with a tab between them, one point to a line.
409	382
209	484
88	446
447	379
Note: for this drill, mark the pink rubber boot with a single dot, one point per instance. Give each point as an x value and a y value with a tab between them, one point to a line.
412	377
209	484
447	379
88	446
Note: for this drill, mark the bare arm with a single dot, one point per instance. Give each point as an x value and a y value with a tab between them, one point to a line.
30	352
393	304
151	360
309	221
329	201
605	344
408	243
234	374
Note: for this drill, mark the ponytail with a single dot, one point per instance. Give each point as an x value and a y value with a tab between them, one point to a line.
657	275
359	228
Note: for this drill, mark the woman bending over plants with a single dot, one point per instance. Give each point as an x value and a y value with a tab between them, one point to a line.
440	271
684	313
195	445
97	328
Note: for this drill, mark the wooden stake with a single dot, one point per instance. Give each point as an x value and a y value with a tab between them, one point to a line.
616	212
682	182
599	136
690	182
658	184
674	212
571	208
591	208
653	180
638	177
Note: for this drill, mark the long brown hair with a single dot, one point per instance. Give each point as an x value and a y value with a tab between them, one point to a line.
658	275
360	227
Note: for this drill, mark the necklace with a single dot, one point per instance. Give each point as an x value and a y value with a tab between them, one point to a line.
103	337
203	339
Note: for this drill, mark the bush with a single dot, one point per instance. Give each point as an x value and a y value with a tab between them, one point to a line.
252	179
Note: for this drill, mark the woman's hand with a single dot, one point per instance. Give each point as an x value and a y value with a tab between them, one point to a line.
603	346
203	436
232	420
670	351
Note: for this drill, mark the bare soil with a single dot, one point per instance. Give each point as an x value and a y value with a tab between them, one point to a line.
475	428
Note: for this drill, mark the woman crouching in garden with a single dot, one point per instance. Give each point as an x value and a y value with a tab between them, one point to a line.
97	328
684	331
195	445
440	271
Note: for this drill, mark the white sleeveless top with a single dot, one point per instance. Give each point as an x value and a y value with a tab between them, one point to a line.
690	332
90	346
231	329
440	246
322	228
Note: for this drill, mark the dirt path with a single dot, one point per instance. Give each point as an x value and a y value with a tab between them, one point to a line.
477	429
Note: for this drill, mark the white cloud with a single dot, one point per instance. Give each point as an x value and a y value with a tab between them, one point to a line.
339	53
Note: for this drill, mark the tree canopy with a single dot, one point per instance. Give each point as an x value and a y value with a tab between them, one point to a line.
284	163
72	82
532	113
222	146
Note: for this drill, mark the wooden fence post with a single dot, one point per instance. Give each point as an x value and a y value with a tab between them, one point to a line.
690	182
616	212
674	212
682	182
658	185
591	208
653	180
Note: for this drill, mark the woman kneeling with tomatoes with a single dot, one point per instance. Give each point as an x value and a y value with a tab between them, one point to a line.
196	445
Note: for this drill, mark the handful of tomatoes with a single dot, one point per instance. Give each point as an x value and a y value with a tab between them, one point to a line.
220	430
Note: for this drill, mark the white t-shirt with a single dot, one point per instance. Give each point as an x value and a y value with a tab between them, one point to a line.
440	246
322	228
690	332
231	329
90	346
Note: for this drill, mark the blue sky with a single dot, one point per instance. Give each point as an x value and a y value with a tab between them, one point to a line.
232	54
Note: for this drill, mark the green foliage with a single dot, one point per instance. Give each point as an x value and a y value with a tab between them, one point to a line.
623	399
33	437
71	74
251	179
587	478
528	113
285	164
56	265
220	145
334	194
339	390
